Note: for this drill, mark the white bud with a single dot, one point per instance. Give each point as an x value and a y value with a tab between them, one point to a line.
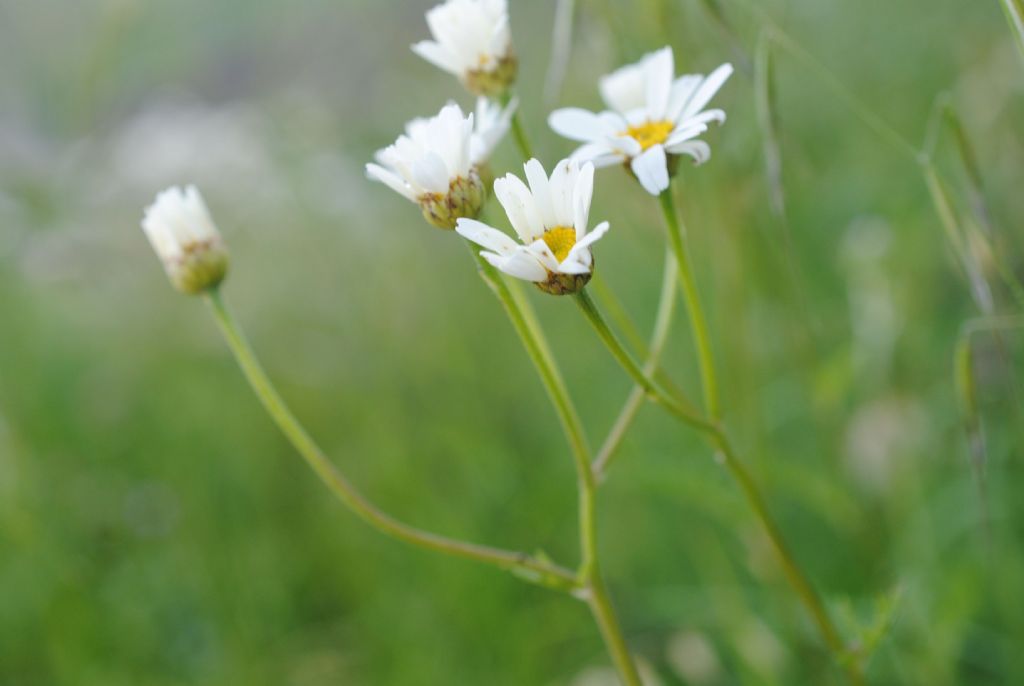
179	227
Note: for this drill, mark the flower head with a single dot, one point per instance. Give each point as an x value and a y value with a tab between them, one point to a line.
472	40
180	229
432	165
550	217
654	118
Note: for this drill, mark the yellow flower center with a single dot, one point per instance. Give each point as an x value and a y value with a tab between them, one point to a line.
560	239
650	133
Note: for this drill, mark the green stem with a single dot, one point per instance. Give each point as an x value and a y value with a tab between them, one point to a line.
518	130
530	336
719	440
588	578
604	614
653	390
659	336
797	579
536	569
1015	18
698	323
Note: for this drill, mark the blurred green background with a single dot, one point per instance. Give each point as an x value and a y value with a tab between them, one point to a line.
156	529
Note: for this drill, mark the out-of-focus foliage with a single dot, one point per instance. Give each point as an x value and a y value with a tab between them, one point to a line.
156	529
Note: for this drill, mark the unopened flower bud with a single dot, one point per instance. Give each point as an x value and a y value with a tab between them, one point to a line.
179	227
472	40
464	199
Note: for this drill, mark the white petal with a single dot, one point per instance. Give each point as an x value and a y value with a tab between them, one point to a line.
563	181
438	56
431	173
591	151
594	236
518	202
623	89
579	260
613	121
581	197
578	124
486	236
651	169
520	264
682	91
393	181
685	133
626	145
698	150
541	189
704	117
707	90
659	69
540	250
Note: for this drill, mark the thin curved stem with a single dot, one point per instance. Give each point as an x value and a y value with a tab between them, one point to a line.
797	579
533	568
653	390
720	441
520	137
531	338
589	581
698	323
659	336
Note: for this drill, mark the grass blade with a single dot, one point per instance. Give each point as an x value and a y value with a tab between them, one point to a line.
1014	10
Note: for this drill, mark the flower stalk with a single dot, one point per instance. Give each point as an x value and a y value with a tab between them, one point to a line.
538	570
698	322
715	434
590	584
659	336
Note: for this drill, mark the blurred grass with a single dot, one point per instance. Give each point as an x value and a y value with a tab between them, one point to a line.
154	528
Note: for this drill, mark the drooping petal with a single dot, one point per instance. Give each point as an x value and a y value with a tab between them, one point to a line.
438	56
591	152
651	169
685	133
486	236
579	260
520	264
392	180
626	145
542	252
698	150
705	117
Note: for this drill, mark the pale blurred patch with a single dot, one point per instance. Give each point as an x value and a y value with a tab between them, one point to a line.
607	676
882	439
693	658
761	649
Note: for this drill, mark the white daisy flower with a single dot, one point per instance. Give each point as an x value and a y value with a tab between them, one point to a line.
472	40
180	229
550	217
432	165
654	118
